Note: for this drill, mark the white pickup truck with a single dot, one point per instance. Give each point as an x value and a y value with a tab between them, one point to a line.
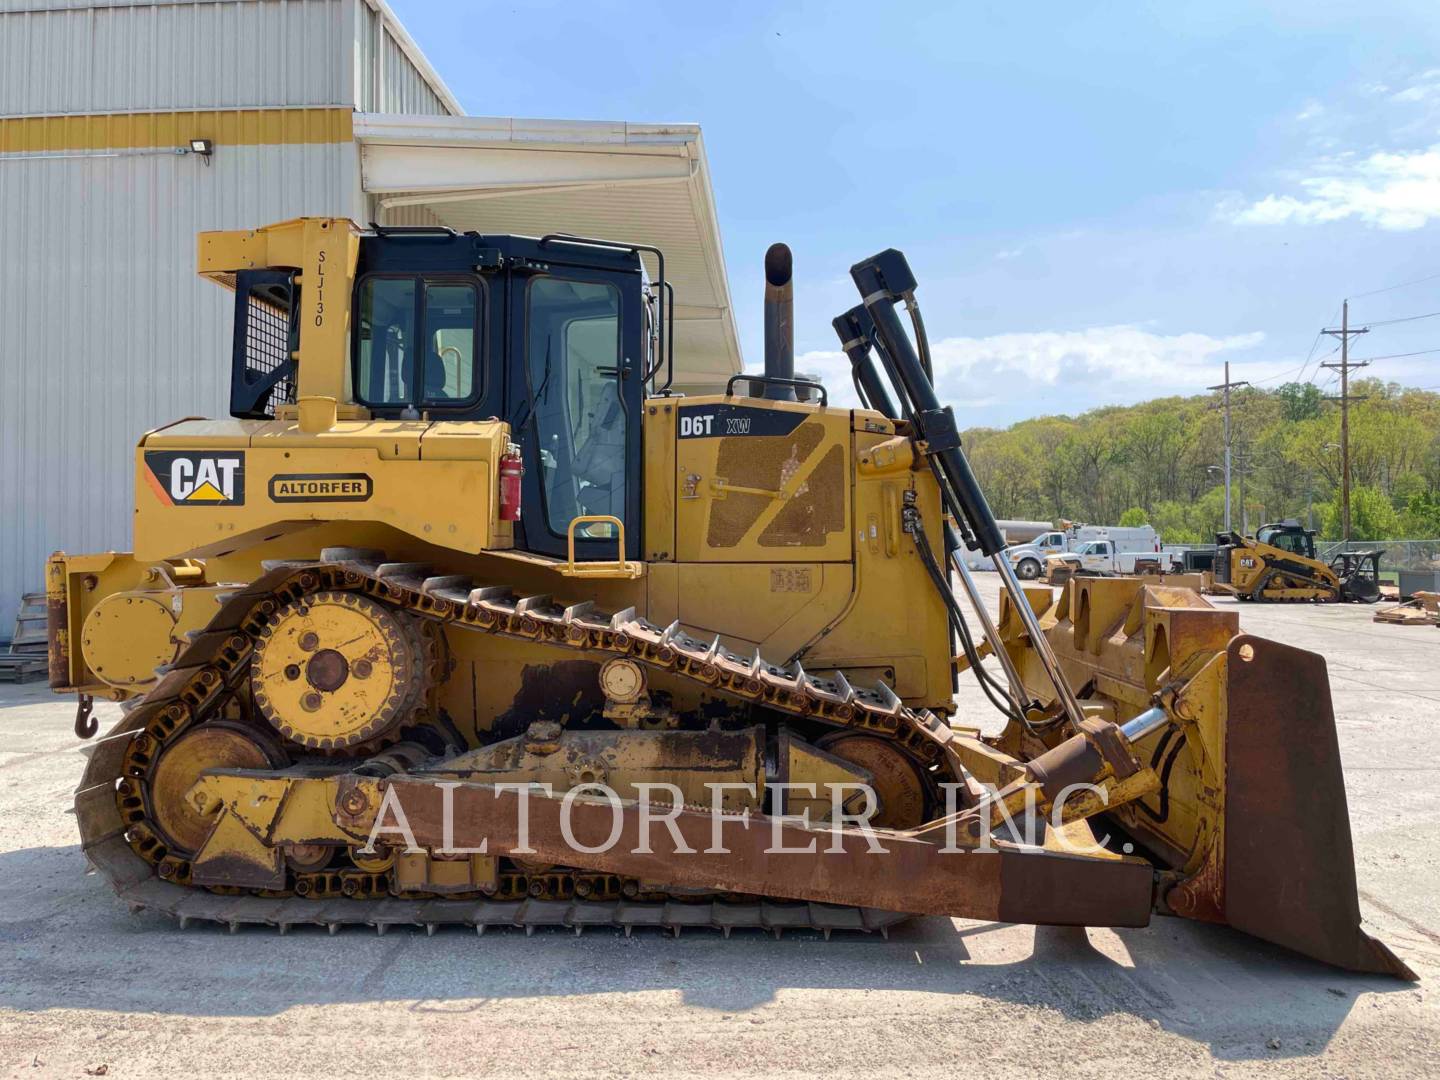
1121	542
1029	559
1014	531
1100	557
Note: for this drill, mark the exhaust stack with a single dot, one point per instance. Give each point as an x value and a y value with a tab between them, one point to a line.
779	321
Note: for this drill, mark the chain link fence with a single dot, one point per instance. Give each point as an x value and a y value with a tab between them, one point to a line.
1396	554
1410	564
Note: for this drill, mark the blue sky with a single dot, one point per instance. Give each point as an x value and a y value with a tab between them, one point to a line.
1103	202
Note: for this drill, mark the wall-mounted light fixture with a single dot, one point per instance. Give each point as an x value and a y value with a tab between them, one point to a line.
204	147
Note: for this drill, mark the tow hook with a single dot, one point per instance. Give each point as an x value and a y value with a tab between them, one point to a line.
85	725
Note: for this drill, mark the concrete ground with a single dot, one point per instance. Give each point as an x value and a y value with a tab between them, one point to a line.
88	989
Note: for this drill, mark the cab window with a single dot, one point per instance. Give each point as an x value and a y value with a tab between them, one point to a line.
417	342
451	322
572	374
385	347
1292	542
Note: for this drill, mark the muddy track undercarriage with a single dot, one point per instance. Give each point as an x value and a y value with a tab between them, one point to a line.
1282	586
123	840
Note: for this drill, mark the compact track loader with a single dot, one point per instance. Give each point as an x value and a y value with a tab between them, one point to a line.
705	678
1279	564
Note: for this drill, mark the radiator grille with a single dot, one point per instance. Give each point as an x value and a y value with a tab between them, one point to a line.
756	462
817	509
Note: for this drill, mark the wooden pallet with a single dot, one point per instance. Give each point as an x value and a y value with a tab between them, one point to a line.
1422	610
26	657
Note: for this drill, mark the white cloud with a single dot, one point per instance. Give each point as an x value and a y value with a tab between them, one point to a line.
1072	369
1424	88
1395	190
1392	181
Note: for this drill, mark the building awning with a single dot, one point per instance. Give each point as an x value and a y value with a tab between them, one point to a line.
639	183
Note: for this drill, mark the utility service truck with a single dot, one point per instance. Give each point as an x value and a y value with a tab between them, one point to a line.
1130	541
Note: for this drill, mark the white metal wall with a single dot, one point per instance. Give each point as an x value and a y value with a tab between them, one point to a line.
105	330
387	81
206	55
403	88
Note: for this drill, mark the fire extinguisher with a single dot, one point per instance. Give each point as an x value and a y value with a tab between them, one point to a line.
512	468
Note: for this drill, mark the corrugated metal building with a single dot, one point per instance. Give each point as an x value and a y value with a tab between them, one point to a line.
105	330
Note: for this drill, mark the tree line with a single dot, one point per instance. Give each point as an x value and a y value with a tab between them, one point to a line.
1160	462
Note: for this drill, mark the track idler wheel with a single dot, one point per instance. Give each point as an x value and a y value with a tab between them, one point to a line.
335	669
221	744
899	788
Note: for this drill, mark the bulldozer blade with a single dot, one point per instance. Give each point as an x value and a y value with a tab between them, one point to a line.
756	855
1287	873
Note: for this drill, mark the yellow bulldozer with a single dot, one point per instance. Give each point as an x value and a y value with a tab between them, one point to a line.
464	616
1279	564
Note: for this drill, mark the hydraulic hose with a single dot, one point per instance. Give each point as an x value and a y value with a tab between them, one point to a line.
921	338
998	695
882	281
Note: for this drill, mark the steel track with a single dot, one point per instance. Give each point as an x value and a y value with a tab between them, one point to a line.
119	842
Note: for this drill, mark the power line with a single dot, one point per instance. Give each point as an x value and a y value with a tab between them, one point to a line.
1407	318
1301	369
1323	356
1392	288
1283	374
1396	356
1315	345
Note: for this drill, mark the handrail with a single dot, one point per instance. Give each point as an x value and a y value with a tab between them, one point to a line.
665	312
777	381
411	230
621	567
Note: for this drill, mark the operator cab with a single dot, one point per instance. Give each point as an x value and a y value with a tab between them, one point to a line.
557	336
1288	536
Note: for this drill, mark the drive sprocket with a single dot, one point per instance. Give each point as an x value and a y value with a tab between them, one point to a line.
335	669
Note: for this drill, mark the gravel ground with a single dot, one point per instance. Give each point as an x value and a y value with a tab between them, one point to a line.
88	989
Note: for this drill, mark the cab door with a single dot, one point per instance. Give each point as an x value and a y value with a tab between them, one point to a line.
1096	556
574	401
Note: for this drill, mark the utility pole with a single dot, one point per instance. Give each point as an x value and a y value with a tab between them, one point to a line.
1226	387
1344	333
1242	466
